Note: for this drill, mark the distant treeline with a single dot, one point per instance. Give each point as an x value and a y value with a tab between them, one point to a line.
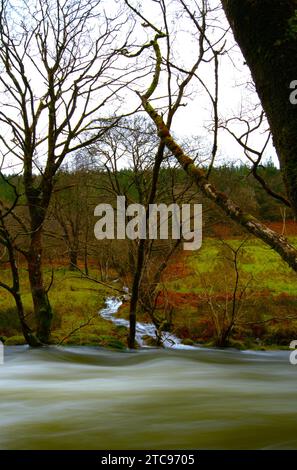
236	181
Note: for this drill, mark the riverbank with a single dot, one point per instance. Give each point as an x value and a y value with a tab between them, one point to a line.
89	332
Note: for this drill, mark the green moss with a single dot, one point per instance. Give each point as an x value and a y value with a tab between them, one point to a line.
111	342
15	340
292	26
188	342
248	218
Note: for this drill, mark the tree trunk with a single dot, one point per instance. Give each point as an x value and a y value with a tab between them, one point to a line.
42	308
142	249
30	338
266	32
73	255
86	254
86	262
135	294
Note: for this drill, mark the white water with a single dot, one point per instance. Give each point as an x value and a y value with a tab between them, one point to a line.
142	329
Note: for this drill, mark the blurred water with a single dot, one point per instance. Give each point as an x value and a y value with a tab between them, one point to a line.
89	398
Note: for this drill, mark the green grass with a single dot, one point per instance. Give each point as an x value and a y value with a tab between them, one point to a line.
74	301
271	295
266	267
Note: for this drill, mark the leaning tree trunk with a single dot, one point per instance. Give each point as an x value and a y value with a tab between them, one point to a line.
29	336
266	32
276	241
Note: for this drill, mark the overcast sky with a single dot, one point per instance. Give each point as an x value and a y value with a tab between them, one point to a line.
234	95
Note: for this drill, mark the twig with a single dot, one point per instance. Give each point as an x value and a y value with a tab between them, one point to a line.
87	323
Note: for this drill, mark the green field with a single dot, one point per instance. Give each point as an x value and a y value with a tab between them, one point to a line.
196	285
75	302
265	299
268	270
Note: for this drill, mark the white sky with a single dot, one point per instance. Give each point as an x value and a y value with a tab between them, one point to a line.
192	119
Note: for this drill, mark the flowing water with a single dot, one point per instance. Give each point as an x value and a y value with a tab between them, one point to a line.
91	398
142	329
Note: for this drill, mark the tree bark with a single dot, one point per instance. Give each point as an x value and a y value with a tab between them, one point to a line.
38	201
73	256
29	336
135	294
142	249
42	308
266	32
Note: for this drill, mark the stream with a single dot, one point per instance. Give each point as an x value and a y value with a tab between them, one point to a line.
142	329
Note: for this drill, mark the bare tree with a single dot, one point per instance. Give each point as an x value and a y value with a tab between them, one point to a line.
254	155
227	313
69	209
196	13
58	73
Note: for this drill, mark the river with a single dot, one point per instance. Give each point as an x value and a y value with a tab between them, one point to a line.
179	397
91	398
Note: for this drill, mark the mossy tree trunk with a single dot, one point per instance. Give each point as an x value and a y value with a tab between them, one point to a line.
38	199
42	307
276	241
